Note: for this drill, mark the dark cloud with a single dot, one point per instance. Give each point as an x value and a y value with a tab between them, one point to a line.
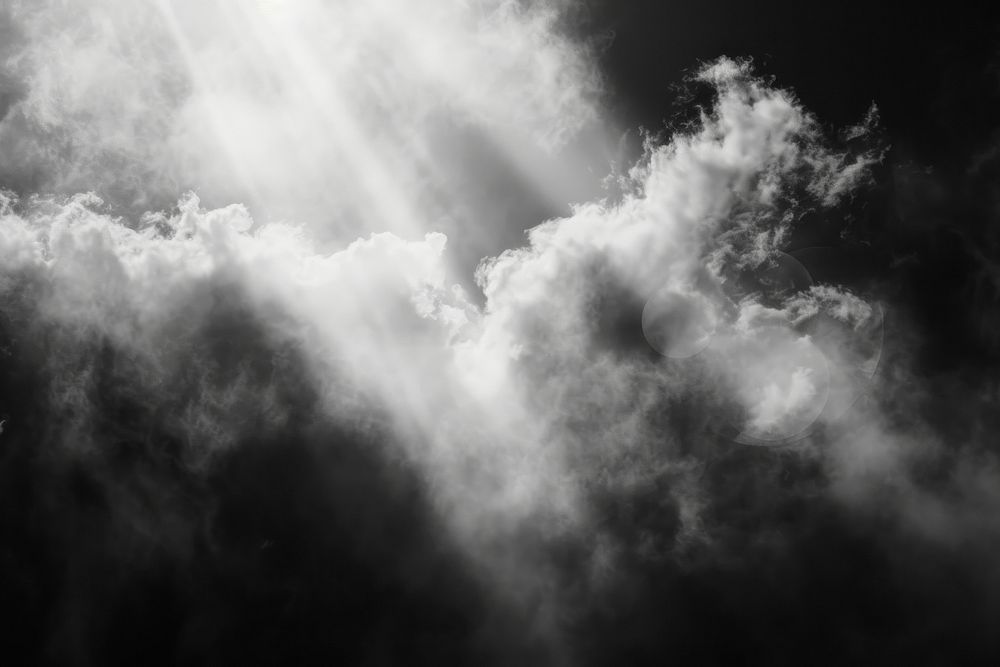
128	539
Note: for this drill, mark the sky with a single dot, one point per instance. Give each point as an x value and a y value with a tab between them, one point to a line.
498	332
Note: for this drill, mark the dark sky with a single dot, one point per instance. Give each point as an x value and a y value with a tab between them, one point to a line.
929	71
934	75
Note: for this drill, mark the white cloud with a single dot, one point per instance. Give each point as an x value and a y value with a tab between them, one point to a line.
514	411
487	386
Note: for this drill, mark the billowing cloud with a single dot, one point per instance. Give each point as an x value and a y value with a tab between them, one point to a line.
651	414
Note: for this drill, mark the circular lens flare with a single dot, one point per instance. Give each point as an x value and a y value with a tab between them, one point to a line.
772	283
782	381
678	326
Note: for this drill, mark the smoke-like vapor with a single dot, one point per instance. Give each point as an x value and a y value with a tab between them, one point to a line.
286	426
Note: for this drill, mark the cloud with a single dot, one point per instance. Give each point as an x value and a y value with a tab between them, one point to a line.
342	431
380	320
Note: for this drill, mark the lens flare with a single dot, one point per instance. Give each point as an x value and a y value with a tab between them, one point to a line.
678	326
